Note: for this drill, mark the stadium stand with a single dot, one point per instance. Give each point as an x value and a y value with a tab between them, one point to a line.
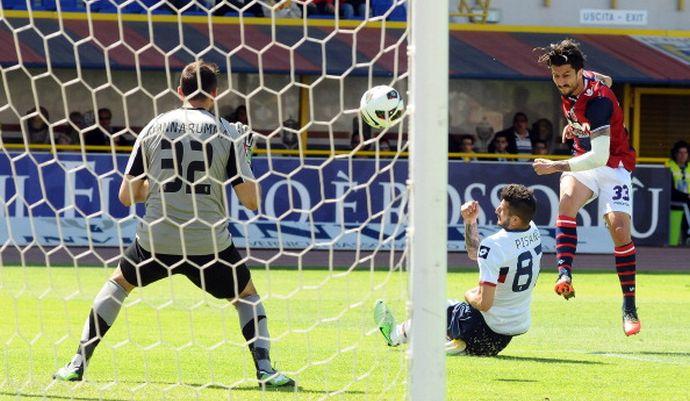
378	8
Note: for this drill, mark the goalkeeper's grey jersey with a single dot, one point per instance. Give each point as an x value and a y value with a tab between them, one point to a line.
189	157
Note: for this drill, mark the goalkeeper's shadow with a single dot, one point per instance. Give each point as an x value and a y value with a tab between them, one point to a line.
251	388
57	397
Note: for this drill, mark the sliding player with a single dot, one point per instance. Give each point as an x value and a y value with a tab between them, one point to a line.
498	309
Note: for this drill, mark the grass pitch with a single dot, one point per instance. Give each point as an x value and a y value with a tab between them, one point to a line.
173	342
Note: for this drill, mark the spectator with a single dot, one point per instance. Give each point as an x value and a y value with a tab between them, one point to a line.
234	6
282	9
484	132
565	148
562	147
540	148
240	115
499	145
384	145
542	130
366	133
467	146
519	138
680	193
356	140
36	126
105	117
321	7
349	9
95	136
289	136
126	138
70	135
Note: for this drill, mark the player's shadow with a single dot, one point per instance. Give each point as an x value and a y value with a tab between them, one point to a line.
299	390
685	354
548	360
251	388
658	353
58	397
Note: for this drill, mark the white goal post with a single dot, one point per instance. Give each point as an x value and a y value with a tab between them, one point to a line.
427	234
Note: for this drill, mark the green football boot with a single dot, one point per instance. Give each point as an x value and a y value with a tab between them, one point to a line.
274	380
385	321
72	372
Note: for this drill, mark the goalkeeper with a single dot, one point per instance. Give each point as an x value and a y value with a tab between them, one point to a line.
180	166
499	307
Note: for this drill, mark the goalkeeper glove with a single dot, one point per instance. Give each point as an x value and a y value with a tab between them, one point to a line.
248	141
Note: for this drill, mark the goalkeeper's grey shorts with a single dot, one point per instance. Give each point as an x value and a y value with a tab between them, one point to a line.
222	275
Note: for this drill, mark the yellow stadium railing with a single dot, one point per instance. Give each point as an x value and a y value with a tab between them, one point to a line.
311	152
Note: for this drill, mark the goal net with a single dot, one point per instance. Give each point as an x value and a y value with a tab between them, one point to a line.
81	79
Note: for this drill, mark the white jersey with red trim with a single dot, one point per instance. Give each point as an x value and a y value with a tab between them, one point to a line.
510	261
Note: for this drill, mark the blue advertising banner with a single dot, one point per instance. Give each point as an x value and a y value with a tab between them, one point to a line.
71	199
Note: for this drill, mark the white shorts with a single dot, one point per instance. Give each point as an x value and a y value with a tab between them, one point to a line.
612	185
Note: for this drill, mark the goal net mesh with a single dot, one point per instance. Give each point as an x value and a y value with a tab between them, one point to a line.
328	238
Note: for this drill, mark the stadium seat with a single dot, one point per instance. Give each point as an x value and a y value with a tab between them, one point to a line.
108	6
65	5
49	5
103	7
399	14
15	4
246	14
322	16
150	4
194	11
380	7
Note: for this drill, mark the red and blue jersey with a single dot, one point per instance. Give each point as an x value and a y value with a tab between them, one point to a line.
597	108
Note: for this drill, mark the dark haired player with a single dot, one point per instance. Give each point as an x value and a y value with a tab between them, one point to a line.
601	168
499	307
181	164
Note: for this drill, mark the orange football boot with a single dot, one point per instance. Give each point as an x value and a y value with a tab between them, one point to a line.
564	287
631	323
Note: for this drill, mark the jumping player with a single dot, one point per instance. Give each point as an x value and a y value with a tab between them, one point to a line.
181	164
601	168
499	307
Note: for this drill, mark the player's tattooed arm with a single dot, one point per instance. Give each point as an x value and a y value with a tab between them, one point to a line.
560	166
470	211
603	131
544	166
471	239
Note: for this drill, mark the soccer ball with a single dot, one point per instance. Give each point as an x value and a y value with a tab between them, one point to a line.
381	106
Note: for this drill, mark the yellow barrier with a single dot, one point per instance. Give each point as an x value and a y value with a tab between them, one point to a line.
315	152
